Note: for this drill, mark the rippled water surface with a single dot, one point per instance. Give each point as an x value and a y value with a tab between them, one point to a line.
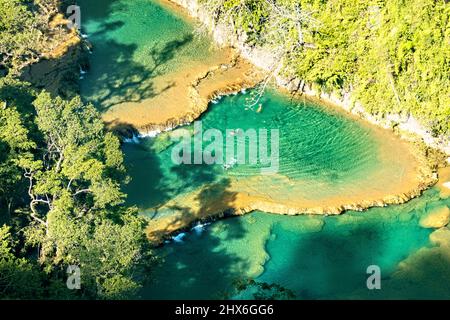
323	154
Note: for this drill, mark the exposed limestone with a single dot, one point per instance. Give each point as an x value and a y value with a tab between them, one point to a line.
185	102
444	182
184	211
66	38
58	71
236	199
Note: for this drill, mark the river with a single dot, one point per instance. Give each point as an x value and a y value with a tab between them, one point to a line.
143	52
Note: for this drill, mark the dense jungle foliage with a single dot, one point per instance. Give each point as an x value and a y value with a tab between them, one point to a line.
394	56
61	173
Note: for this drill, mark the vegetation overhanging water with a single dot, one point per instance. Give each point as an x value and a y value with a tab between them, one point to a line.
316	257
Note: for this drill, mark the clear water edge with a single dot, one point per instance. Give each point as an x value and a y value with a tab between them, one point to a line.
316	257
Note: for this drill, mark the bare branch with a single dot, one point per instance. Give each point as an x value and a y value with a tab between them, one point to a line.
82	191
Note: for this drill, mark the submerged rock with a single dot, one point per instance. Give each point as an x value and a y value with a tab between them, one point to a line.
437	218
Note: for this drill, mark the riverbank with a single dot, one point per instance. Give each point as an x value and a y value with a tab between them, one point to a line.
224	35
164	73
173	85
271	248
58	69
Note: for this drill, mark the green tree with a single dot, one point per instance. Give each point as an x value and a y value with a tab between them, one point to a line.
75	200
65	171
22	37
19	278
15	148
61	175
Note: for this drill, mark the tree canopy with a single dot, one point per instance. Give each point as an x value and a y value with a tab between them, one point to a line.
61	174
62	186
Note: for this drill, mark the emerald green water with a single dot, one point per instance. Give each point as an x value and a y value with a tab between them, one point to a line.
307	148
316	257
322	154
133	43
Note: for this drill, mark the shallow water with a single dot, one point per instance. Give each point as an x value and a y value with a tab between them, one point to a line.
316	257
325	159
315	144
323	154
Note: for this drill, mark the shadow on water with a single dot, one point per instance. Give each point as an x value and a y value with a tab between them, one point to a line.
324	264
117	75
213	200
424	275
193	175
155	179
332	263
147	187
182	276
100	10
116	78
319	265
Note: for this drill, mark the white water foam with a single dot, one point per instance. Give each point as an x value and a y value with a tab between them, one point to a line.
179	238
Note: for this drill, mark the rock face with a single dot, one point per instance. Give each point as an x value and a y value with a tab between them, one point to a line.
263	58
438	218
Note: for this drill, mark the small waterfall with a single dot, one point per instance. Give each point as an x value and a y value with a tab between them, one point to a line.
200	227
179	237
82	73
134	139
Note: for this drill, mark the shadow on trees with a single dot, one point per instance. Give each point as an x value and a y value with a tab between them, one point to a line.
13	190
